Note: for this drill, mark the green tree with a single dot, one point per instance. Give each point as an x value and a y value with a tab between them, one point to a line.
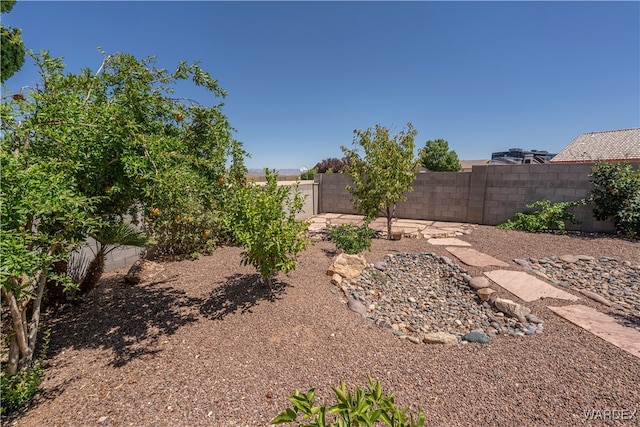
11	45
617	196
43	217
263	220
82	151
385	172
437	158
331	165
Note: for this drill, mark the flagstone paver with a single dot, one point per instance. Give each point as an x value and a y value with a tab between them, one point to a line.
475	258
526	286
601	325
448	241
410	227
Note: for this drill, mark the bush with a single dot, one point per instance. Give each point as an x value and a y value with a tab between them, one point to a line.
262	220
332	165
350	238
18	389
617	196
550	217
307	175
362	408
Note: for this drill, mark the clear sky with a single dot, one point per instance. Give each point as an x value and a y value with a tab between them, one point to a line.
301	76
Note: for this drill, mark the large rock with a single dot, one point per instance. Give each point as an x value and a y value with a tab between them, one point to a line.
513	309
143	271
348	266
440	338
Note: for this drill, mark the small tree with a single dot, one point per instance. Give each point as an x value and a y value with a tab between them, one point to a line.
262	220
617	196
437	158
43	217
384	174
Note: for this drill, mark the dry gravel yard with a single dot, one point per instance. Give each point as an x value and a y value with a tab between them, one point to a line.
206	346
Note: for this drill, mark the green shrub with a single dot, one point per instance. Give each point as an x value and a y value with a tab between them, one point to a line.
350	238
617	196
18	389
552	216
262	220
309	174
362	408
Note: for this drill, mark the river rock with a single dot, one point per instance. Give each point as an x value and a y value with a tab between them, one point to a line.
336	279
479	282
569	258
476	337
485	293
596	297
347	266
357	306
512	309
440	338
380	265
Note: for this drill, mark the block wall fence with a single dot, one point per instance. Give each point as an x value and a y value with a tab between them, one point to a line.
488	195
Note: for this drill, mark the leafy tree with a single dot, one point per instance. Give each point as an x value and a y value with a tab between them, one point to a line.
437	158
617	196
43	217
262	220
384	174
82	151
11	45
332	165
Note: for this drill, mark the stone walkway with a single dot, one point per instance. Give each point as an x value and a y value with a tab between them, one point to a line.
409	227
525	286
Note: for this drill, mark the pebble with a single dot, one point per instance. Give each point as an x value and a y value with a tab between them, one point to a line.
380	265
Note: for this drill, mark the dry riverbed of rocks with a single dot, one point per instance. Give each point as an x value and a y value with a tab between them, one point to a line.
427	298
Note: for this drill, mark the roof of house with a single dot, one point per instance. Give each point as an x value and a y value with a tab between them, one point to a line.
611	145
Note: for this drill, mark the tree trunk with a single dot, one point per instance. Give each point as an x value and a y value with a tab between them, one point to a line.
93	274
268	281
389	217
19	348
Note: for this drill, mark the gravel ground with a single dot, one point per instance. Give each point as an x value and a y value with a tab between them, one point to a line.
208	346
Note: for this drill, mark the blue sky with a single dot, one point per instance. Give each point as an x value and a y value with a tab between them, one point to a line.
301	76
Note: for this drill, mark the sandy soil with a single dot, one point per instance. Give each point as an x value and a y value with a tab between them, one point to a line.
207	345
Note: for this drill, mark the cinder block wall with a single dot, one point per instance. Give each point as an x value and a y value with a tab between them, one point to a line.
489	194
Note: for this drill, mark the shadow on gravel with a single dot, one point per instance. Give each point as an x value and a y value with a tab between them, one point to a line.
126	319
240	292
